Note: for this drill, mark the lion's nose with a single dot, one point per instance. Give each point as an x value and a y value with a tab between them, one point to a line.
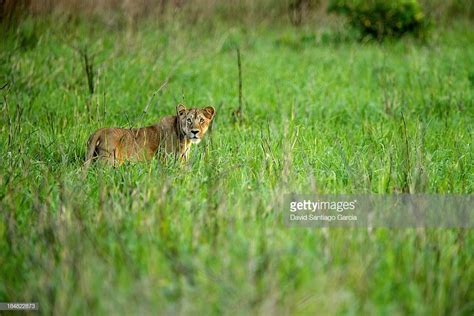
195	131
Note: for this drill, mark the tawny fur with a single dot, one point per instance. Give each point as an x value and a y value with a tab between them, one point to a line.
172	136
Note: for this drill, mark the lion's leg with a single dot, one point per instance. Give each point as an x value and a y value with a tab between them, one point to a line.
107	152
184	156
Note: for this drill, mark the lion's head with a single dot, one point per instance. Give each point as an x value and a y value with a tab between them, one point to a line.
195	122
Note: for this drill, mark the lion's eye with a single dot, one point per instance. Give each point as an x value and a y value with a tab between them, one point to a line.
189	121
202	120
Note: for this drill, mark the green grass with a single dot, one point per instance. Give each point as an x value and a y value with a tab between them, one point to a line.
322	114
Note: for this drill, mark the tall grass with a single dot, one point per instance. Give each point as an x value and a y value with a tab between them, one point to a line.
128	12
321	116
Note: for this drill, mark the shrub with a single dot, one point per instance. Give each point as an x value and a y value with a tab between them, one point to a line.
382	18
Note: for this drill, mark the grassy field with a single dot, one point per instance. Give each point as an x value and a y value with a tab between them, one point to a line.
322	114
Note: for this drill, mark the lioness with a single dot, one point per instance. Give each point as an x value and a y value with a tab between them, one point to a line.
172	135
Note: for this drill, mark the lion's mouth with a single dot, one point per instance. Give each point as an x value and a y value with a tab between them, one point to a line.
194	139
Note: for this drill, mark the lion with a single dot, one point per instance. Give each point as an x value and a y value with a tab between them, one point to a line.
172	136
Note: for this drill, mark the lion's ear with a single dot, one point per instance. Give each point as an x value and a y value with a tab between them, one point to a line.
180	109
209	112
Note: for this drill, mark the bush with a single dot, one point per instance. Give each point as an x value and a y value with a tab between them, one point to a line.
382	18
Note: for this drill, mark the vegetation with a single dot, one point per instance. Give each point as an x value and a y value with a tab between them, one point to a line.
319	114
379	18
